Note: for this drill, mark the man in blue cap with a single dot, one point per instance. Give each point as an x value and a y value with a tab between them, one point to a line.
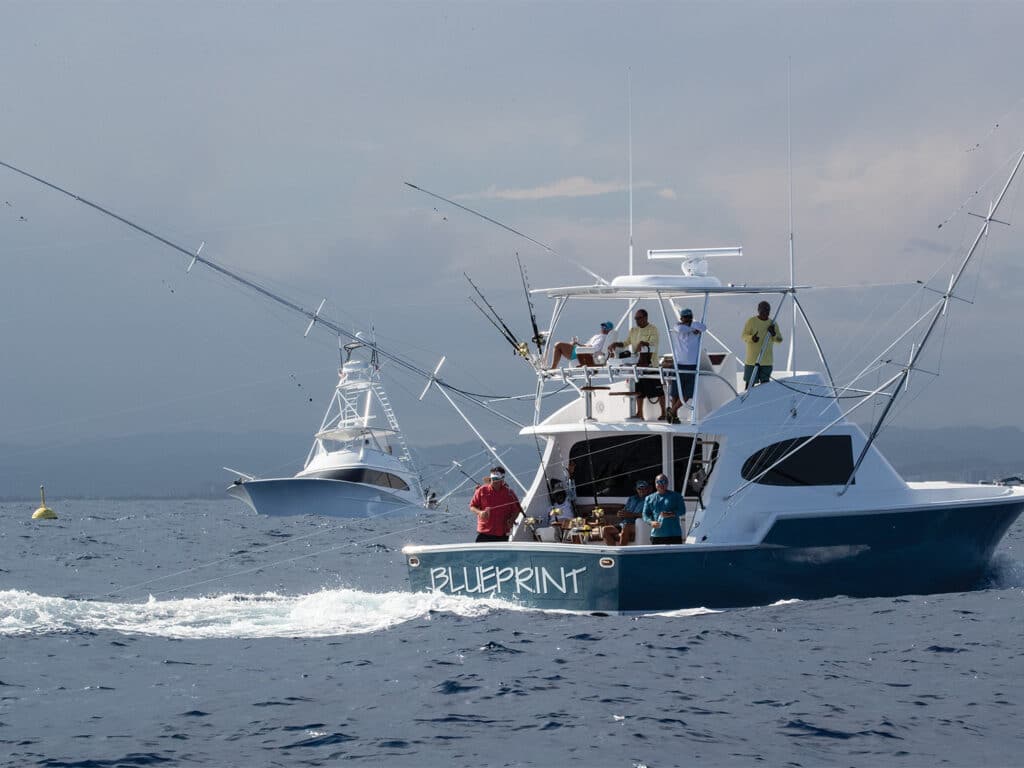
686	351
596	347
630	513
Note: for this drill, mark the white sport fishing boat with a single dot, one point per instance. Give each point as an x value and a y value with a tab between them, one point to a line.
785	495
359	464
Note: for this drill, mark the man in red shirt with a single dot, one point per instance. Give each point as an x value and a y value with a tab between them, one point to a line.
496	508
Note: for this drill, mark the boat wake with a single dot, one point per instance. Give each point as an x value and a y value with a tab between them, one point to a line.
326	613
1004	572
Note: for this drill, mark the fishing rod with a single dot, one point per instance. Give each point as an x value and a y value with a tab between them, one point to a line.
314	317
505	329
538	337
507	228
497	322
493	322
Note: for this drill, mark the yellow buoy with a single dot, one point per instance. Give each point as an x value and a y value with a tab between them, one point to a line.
44	512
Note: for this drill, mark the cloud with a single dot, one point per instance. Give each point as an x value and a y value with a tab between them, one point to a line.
573	186
667	193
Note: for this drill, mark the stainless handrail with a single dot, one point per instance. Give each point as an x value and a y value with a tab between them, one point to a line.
615	373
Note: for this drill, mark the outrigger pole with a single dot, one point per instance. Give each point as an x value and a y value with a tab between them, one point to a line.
940	311
194	256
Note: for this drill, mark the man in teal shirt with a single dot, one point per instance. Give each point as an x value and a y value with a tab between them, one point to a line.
665	510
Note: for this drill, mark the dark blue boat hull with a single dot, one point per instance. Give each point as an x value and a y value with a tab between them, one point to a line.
879	554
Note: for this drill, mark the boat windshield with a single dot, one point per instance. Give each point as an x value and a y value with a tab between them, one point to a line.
363	475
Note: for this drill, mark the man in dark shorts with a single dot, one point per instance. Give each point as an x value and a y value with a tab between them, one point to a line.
685	352
643	342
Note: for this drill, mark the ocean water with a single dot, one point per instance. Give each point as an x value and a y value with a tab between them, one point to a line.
169	633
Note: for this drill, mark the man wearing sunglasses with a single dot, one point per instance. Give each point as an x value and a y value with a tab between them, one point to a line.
643	342
665	510
496	508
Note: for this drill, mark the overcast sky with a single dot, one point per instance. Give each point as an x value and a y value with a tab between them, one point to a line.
281	134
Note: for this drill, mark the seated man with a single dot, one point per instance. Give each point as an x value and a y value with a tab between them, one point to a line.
626	531
560	508
597	346
643	342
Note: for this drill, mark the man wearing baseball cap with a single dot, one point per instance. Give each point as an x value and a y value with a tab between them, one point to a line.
630	513
496	508
686	351
597	346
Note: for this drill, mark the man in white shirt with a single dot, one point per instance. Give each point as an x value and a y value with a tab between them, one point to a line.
597	346
686	351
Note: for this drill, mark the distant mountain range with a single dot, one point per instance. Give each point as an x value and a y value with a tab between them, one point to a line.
189	465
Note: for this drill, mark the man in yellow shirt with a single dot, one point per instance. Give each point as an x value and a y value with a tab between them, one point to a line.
643	342
761	334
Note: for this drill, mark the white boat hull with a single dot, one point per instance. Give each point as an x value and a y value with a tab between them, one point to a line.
318	496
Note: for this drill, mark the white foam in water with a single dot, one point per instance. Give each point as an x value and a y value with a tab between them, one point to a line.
1005	573
683	613
321	614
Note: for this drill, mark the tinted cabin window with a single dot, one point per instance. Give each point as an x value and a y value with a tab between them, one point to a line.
704	456
612	465
826	460
367	476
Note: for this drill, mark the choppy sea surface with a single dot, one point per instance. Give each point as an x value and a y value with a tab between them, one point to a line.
167	633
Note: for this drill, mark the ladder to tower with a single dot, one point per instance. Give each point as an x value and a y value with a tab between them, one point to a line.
404	454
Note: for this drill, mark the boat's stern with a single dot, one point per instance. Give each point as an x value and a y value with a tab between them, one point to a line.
538	575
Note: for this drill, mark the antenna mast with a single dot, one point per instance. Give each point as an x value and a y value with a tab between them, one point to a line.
791	358
629	102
